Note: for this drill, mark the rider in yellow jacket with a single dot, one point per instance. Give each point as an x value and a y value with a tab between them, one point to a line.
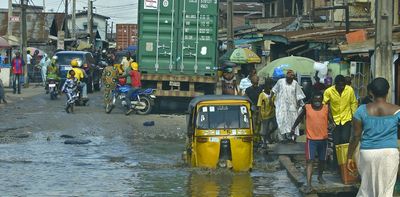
79	74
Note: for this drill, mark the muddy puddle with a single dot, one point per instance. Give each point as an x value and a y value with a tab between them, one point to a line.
45	166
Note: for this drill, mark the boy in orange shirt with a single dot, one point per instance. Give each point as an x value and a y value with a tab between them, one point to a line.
318	117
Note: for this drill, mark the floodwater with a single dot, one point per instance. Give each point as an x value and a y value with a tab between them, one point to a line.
124	158
45	166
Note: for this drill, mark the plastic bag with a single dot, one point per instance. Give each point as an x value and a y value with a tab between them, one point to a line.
278	73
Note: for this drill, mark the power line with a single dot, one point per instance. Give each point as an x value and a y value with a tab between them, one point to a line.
117	6
59	5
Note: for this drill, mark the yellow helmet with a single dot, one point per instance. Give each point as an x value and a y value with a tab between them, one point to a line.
74	63
134	66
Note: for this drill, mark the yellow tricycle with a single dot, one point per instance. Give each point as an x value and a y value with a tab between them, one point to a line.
220	133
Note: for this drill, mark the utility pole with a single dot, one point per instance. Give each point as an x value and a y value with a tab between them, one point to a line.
73	19
383	44
332	14
44	5
106	29
229	25
112	29
66	19
90	23
24	40
10	23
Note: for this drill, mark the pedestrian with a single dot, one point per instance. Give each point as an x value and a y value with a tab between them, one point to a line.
29	66
367	99
136	83
289	99
246	82
110	79
69	88
348	80
228	82
126	61
44	63
17	70
267	113
318	86
318	118
376	126
2	93
328	79
253	92
343	105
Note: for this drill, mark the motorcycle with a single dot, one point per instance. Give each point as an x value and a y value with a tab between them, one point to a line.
72	101
53	86
79	101
142	100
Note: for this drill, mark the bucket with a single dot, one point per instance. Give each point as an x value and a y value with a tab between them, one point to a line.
341	153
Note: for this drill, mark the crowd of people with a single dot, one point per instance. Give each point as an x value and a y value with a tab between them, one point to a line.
331	110
125	72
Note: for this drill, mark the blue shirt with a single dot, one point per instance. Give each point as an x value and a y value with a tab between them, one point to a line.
378	131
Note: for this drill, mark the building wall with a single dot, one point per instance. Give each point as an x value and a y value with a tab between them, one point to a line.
126	35
38	30
81	23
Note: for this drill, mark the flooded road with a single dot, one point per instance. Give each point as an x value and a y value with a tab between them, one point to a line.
124	158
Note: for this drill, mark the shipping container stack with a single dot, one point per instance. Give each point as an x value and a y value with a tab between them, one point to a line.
126	36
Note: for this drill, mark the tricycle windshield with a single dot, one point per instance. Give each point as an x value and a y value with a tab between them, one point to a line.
223	117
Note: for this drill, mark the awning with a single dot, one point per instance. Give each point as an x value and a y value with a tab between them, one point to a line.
368	45
247	41
360	47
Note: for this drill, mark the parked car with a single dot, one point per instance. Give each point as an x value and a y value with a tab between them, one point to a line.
87	62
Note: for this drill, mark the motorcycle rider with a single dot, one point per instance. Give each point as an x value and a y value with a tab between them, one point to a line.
136	84
52	72
80	74
69	88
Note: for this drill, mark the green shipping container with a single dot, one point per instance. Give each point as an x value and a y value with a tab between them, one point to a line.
178	37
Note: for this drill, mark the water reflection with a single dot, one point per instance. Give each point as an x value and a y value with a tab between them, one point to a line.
221	183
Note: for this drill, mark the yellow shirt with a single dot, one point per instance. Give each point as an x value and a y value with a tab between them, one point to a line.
78	73
342	106
266	110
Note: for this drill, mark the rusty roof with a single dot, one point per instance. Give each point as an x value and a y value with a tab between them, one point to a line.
38	25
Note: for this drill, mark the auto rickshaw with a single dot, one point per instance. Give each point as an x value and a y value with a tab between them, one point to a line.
220	133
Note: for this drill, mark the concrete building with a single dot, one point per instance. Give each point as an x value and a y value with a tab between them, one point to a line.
99	24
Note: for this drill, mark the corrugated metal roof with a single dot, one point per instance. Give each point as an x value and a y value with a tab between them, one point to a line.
38	25
37	28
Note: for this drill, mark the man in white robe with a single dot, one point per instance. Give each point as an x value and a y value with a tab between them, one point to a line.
289	98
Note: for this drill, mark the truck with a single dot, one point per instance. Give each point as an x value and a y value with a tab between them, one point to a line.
177	46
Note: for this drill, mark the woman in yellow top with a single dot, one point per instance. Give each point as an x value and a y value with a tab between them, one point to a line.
267	113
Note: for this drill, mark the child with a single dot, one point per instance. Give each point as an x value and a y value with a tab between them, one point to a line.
267	113
69	88
318	118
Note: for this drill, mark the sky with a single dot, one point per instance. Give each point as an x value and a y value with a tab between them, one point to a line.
120	11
